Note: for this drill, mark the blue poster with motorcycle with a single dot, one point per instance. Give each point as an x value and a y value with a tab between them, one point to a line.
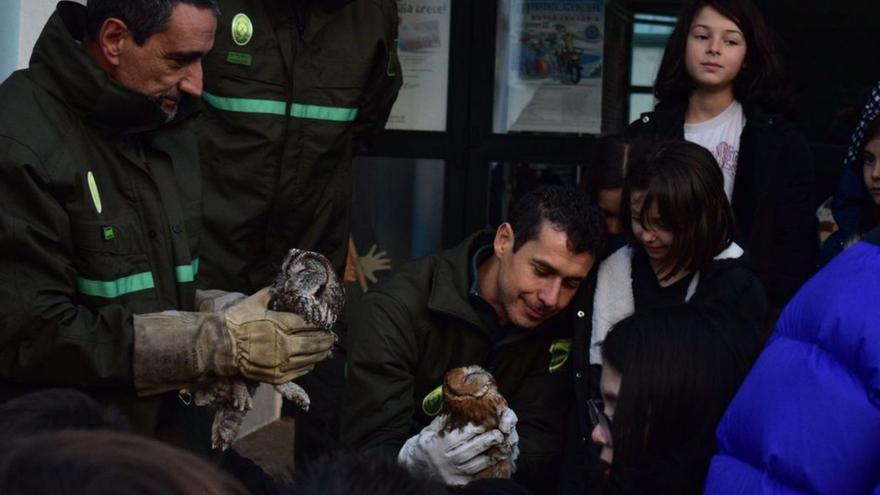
549	66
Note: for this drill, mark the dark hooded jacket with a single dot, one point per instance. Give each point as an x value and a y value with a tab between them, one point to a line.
773	195
289	87
100	204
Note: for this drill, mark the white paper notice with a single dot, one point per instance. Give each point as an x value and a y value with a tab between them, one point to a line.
423	48
549	66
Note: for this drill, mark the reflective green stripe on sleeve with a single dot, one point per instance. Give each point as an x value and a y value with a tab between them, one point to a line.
274	107
315	112
245	105
187	273
115	288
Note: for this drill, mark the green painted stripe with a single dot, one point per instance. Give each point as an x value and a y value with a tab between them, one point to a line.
115	288
187	273
315	112
273	107
245	105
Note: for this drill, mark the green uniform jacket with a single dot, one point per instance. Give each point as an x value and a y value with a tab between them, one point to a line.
99	219
407	333
288	87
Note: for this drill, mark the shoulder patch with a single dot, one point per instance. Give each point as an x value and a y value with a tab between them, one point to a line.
560	350
393	60
433	402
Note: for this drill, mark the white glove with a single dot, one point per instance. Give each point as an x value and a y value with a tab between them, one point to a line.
453	457
510	446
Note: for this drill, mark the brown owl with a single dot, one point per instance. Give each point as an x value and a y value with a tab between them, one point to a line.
470	395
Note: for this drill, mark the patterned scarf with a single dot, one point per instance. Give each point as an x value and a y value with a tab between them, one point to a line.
872	108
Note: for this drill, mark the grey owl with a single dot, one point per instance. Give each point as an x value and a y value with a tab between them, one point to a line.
308	286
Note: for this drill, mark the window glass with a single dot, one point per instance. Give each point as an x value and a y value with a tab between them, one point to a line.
509	181
397	215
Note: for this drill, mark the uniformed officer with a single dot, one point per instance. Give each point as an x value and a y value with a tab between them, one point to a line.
101	220
290	87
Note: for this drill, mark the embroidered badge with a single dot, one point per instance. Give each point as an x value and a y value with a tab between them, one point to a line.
239	58
109	235
93	188
433	402
242	29
559	352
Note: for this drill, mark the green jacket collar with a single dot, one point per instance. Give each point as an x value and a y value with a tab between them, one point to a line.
449	290
65	70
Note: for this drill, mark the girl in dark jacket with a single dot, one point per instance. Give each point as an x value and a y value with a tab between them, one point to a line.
719	76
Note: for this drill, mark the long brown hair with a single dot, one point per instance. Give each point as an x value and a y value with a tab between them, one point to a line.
761	79
684	181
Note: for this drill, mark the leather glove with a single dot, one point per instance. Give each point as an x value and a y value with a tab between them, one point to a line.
173	349
454	457
210	301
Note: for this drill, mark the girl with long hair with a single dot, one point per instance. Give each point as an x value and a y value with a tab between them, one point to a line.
667	377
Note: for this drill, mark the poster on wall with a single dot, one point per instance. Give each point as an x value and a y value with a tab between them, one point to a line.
423	48
549	66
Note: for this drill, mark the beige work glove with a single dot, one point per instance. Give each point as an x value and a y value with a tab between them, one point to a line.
210	301
173	349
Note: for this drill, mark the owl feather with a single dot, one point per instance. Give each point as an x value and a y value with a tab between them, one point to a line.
470	395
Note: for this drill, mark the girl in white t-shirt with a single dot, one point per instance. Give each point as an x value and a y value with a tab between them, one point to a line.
718	80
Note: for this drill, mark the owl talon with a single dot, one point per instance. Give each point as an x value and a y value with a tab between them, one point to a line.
296	394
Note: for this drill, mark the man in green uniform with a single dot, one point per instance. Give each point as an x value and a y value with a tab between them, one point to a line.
100	220
498	301
290	87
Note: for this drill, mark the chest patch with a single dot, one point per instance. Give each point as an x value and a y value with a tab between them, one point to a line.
93	189
242	29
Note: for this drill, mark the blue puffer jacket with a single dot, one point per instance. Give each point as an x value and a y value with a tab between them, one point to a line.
807	418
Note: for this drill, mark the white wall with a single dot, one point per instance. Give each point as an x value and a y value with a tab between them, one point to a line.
9	20
34	14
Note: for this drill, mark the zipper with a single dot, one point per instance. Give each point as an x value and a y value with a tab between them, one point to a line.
292	26
299	20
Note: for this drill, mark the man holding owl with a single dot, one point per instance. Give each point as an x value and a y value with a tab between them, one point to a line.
499	300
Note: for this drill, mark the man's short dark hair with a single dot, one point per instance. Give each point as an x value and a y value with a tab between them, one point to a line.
144	18
567	209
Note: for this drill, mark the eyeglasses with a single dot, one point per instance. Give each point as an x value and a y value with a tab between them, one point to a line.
599	418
